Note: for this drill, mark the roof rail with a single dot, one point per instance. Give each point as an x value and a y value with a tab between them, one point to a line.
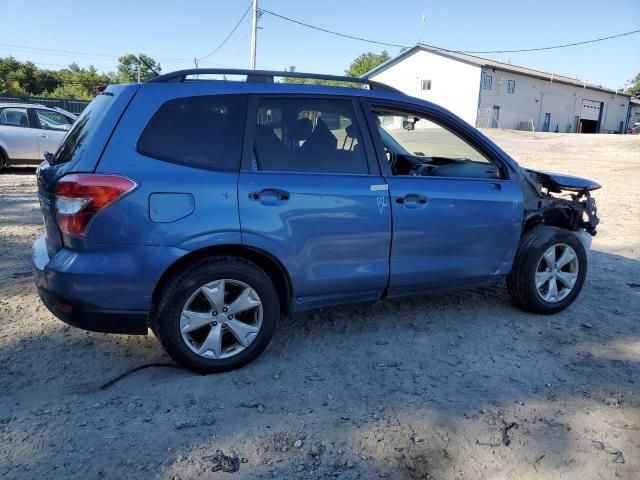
266	76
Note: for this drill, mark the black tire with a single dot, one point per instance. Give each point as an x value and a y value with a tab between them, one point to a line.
521	282
166	319
3	159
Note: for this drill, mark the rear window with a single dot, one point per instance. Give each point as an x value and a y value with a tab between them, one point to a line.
203	132
83	130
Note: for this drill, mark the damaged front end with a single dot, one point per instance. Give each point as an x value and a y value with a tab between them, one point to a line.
560	201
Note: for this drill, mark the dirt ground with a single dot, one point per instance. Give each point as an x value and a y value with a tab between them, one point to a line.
460	385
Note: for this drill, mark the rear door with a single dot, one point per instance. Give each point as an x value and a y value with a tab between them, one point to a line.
17	136
53	126
457	215
311	195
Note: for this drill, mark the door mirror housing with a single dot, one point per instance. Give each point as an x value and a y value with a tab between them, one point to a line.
408	125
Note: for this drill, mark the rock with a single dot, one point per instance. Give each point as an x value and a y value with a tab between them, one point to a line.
221	462
182	424
618	458
297	444
586	325
611	450
612	402
260	408
597	445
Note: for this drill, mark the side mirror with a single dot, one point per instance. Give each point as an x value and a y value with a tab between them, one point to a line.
408	125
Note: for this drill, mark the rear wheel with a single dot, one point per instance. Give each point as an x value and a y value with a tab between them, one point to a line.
217	315
549	270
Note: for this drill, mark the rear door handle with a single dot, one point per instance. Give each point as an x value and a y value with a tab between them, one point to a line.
412	200
270	196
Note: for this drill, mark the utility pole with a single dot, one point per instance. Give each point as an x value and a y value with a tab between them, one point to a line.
254	34
195	64
139	71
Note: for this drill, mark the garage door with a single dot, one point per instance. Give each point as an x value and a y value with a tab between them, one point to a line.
590	110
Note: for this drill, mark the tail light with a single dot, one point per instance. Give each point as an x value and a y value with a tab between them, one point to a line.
80	196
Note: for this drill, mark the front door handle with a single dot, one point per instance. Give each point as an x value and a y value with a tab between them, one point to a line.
412	200
44	135
270	196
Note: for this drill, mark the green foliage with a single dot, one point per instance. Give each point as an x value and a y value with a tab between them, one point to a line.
26	79
128	66
365	62
634	89
358	67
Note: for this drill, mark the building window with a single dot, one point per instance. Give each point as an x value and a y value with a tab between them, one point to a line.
425	85
511	86
486	82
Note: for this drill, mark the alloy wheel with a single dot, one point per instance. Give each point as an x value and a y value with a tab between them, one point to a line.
557	273
220	319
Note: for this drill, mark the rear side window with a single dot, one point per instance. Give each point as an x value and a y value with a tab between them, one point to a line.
203	132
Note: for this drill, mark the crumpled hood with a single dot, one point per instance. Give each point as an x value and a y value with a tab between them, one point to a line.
556	181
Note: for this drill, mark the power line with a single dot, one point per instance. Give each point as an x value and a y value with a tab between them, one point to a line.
362	39
557	46
230	33
331	31
73	53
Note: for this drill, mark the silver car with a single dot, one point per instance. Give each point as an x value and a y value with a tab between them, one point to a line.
29	130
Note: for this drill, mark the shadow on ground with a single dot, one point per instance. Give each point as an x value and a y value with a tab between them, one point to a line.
408	388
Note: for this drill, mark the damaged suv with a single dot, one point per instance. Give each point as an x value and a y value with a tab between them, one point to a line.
206	210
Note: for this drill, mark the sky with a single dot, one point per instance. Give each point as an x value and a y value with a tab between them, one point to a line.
54	34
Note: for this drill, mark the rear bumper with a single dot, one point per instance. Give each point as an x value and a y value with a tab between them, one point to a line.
89	317
108	289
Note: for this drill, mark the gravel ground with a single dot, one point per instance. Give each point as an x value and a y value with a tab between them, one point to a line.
461	385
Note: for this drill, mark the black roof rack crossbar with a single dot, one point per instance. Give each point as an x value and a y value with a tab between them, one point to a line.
265	76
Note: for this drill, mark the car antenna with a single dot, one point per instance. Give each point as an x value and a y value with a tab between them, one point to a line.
148	65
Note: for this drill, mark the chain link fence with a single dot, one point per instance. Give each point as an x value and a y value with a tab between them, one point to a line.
74	106
492	118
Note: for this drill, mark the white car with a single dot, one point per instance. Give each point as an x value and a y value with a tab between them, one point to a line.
29	130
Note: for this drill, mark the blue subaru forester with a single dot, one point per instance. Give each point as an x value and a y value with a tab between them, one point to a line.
207	209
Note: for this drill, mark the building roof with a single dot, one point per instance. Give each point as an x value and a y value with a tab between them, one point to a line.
486	62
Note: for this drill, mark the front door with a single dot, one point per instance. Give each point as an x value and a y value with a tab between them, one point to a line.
311	195
547	122
456	216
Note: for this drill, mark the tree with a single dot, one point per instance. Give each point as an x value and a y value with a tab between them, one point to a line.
365	62
358	67
635	88
128	68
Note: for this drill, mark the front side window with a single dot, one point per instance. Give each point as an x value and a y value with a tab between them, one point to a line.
417	146
487	80
203	132
52	120
14	117
308	135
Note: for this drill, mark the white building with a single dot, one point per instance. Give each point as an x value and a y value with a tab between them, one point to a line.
487	93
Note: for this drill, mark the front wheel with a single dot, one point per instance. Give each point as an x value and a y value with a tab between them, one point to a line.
217	315
548	271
